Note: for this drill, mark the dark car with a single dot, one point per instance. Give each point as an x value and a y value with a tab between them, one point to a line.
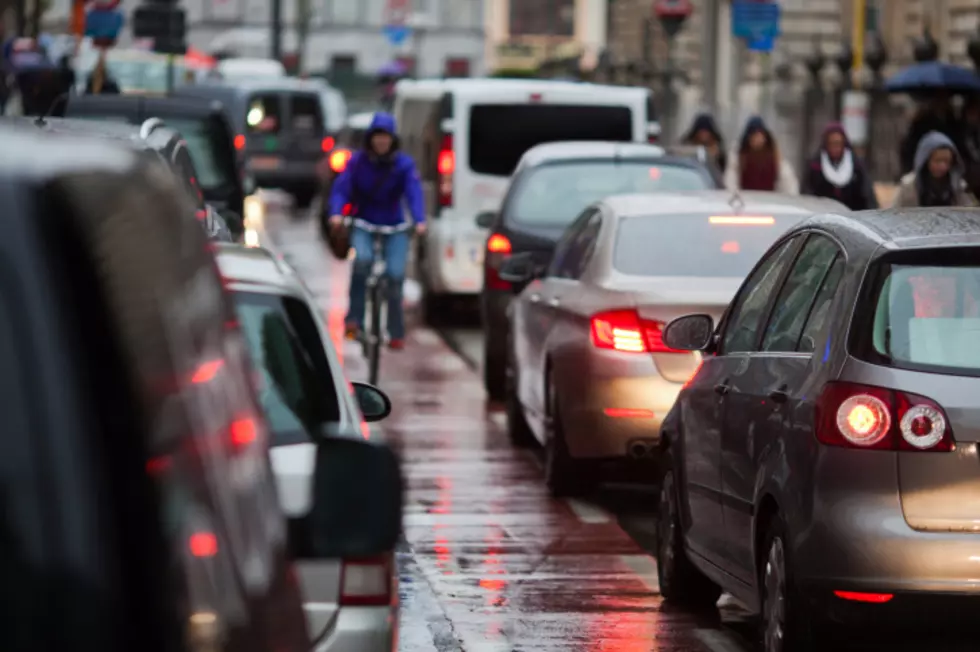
152	137
822	464
552	185
204	126
279	131
139	508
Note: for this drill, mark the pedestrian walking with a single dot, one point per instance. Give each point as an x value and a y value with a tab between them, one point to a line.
837	173
937	179
757	163
969	143
935	115
704	132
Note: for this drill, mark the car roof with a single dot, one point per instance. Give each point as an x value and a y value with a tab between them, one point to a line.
484	86
589	149
269	84
102	129
27	155
907	228
718	201
144	106
256	267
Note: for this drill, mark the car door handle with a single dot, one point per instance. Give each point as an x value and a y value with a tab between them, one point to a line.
723	388
779	395
534	298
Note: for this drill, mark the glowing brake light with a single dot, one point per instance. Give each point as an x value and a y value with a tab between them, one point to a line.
743	220
327	143
872	598
203	544
446	166
339	160
243	432
239	142
625	331
498	244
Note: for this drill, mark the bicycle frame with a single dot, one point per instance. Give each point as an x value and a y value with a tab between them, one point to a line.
377	286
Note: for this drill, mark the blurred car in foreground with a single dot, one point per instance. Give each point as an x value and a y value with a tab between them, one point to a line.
139	498
589	376
552	185
351	603
202	125
822	464
279	132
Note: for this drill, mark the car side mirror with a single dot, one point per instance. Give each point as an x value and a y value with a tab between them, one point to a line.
235	222
519	268
689	333
347	522
486	219
375	404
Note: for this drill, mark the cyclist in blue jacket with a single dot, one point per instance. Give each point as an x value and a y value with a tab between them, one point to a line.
377	183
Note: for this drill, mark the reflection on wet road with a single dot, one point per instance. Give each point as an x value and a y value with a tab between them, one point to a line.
490	562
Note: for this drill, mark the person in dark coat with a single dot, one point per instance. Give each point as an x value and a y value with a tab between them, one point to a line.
757	164
837	173
704	132
938	176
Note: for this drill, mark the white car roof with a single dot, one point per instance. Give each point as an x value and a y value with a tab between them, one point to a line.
434	88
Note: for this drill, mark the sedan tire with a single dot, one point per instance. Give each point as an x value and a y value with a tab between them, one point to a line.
680	581
494	375
785	624
517	428
564	475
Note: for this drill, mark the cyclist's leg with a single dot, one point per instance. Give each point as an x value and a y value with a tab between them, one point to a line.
396	260
364	257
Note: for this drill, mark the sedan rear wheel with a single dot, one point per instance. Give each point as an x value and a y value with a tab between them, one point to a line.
785	625
517	427
564	475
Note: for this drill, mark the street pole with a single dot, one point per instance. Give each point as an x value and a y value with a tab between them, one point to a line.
276	26
857	41
171	72
856	101
709	58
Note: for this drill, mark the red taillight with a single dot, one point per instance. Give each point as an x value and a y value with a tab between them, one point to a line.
203	544
498	244
243	432
625	331
876	418
327	144
498	250
239	142
445	166
872	598
366	582
339	159
201	214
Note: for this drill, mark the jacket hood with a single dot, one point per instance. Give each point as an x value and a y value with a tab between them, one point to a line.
755	123
704	122
834	128
930	143
383	122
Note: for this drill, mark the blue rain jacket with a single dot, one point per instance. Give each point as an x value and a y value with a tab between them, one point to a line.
375	186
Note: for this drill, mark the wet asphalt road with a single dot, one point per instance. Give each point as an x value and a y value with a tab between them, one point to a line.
490	562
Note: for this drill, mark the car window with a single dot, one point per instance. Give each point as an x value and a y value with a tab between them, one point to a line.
818	322
574	248
282	337
306	114
204	147
188	174
552	195
798	293
743	322
263	115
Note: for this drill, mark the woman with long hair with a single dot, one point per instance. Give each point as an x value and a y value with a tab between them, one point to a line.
757	163
836	172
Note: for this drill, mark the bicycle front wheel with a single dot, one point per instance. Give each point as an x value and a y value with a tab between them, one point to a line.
375	333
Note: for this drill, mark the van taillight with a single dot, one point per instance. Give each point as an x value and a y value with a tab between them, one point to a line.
445	166
239	142
875	418
499	249
366	582
327	144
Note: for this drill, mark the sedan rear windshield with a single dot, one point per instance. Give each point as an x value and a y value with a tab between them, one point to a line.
554	195
501	133
208	150
283	340
926	312
695	244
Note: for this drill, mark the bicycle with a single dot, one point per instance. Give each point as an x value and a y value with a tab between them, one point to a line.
377	293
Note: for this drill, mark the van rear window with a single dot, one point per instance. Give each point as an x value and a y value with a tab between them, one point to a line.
306	113
501	133
264	115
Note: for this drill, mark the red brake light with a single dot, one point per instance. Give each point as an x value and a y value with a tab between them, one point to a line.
625	331
498	244
203	544
339	159
876	418
243	432
366	582
327	144
239	142
445	166
872	598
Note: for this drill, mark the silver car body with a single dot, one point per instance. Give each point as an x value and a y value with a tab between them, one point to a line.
612	402
334	628
748	446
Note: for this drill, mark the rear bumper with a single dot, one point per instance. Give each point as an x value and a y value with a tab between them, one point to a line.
363	629
454	249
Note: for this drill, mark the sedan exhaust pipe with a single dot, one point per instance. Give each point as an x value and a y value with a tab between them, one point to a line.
640	449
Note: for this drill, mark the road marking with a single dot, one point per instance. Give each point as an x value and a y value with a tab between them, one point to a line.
588	513
718	641
645	568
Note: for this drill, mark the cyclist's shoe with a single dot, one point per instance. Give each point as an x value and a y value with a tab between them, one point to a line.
396	344
352	331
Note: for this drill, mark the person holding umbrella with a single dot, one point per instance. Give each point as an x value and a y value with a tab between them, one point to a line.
937	179
837	173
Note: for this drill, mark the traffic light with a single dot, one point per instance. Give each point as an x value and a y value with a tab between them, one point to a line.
165	23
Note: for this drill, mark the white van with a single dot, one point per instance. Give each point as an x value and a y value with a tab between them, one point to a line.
467	135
